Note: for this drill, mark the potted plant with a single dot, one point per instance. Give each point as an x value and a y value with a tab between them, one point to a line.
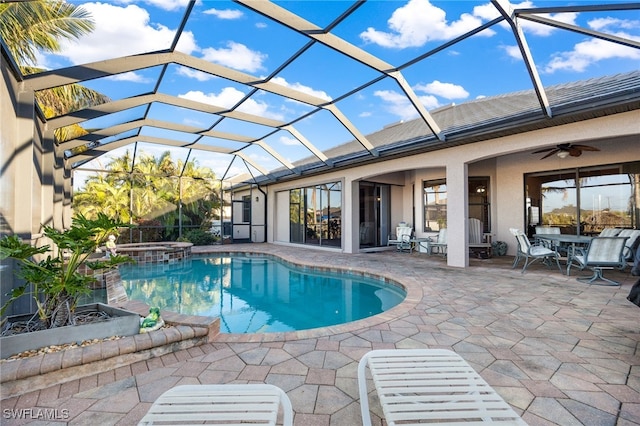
58	281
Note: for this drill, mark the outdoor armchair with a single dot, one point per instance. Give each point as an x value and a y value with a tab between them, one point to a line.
532	252
478	239
630	246
440	245
399	240
602	253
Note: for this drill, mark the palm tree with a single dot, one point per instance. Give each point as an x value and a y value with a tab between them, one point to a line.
151	189
31	26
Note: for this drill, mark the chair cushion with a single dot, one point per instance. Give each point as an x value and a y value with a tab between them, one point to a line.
540	251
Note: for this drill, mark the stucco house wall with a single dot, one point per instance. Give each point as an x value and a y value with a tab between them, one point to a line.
504	161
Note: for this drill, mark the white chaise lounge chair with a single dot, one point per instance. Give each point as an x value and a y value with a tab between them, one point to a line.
430	386
230	404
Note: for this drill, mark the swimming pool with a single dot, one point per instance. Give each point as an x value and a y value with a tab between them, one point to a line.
259	294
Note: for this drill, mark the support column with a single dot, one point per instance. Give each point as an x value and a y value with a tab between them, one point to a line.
457	213
351	223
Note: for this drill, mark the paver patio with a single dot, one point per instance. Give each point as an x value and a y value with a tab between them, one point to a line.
559	351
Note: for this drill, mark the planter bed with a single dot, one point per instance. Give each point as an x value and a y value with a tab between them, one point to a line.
117	322
22	375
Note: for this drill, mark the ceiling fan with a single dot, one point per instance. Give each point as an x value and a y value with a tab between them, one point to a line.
566	149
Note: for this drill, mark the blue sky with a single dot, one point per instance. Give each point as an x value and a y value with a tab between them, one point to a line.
229	34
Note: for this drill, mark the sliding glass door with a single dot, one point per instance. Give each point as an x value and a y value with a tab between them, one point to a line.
375	214
315	215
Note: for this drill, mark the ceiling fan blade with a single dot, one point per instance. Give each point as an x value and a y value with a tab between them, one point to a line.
585	147
543	150
550	154
575	152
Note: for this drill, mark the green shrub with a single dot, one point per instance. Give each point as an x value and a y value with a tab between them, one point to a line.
199	237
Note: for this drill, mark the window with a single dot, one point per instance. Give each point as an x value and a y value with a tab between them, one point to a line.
435	203
246	208
585	201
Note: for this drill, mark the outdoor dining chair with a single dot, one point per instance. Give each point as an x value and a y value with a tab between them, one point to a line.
434	386
546	230
630	246
602	253
229	404
532	252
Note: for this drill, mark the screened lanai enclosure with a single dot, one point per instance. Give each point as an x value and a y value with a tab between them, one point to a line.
301	122
180	112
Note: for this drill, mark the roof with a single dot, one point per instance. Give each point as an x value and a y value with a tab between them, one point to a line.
493	117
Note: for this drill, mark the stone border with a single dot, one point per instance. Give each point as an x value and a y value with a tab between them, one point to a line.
157	253
22	375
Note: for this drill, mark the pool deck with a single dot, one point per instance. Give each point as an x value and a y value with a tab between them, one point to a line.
559	351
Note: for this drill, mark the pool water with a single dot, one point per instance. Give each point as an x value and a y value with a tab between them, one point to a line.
256	294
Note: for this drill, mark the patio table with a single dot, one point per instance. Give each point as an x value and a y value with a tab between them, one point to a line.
569	239
415	243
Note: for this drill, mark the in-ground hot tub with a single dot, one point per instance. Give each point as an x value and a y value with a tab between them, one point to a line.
156	253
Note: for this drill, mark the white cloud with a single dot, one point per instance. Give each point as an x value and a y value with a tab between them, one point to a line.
286	140
230	96
261	25
162	4
512	51
129	76
301	88
121	31
419	22
365	114
444	90
195	74
229	14
187	43
488	12
192	122
602	24
589	52
398	104
542	30
237	56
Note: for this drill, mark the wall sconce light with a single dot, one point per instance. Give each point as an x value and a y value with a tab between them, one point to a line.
563	154
257	199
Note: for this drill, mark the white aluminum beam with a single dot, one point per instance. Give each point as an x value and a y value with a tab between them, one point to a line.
507	11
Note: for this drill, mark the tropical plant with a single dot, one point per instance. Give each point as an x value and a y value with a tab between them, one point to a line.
28	27
57	281
199	237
